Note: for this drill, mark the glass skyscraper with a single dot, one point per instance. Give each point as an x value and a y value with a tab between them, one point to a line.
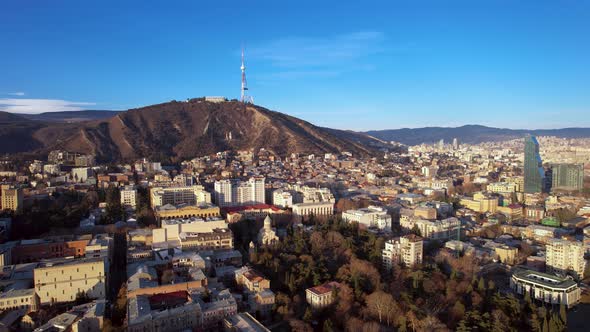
534	173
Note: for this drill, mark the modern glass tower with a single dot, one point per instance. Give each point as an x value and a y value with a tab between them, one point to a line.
534	174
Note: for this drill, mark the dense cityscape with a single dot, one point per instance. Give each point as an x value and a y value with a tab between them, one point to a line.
443	236
294	166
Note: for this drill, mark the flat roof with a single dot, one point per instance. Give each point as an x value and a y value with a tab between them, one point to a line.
544	279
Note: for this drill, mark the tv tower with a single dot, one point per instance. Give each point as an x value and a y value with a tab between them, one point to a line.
243	97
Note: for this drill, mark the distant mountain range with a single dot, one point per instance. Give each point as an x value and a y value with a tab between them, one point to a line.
472	134
180	130
175	131
71	116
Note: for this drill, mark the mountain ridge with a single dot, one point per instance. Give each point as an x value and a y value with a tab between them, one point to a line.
179	130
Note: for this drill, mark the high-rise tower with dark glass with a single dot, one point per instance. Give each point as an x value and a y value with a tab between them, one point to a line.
534	173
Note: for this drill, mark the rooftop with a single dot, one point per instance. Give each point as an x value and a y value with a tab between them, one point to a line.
545	279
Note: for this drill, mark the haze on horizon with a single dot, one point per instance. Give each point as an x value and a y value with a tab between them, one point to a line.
362	66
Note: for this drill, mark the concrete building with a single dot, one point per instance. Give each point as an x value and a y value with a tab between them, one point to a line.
81	174
190	195
12	198
321	296
243	322
502	187
63	280
20	299
565	257
567	176
439	229
170	211
129	197
282	198
176	311
481	203
322	209
169	234
506	254
546	287
239	193
370	217
407	249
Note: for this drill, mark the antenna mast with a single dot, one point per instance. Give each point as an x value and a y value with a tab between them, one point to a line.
244	98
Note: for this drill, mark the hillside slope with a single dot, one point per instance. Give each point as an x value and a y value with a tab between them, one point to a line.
180	130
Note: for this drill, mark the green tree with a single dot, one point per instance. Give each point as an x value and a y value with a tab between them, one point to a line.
328	326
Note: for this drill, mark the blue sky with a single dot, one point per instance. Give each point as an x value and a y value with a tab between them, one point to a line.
360	65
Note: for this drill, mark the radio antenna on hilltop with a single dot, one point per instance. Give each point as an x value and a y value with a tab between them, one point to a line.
244	98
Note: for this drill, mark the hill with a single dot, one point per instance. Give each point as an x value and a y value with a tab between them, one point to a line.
471	134
180	130
71	116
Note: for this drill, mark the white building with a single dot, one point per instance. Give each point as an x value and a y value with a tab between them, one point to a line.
81	174
129	197
169	234
190	195
546	287
429	171
321	296
406	249
371	217
443	230
321	209
565	257
282	198
239	193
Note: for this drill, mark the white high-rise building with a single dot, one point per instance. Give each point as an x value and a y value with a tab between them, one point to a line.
406	249
282	198
192	195
239	193
565	257
129	197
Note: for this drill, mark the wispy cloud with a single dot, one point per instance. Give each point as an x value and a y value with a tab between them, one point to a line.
22	105
297	57
19	94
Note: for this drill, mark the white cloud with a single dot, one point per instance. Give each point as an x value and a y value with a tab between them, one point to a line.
295	57
21	105
20	94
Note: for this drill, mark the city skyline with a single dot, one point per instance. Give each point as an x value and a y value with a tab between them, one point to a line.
404	65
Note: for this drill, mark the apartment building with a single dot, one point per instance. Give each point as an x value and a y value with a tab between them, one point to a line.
129	197
176	195
238	193
12	198
565	257
407	249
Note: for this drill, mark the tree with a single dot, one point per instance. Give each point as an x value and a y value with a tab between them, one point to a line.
328	326
382	306
308	316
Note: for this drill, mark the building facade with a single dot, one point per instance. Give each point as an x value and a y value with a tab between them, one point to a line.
406	249
565	257
545	287
534	174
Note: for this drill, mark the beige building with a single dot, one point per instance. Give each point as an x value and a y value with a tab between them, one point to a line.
19	299
129	197
169	211
425	212
480	203
321	296
62	280
168	235
191	195
506	254
502	187
406	249
12	198
565	257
